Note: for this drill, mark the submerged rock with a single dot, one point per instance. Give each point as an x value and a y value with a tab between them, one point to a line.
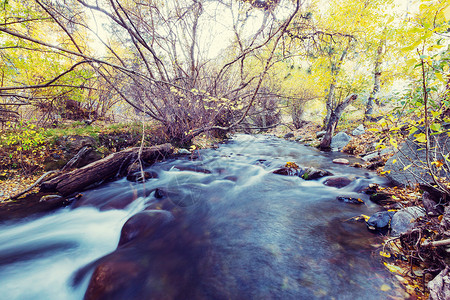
137	176
405	219
160	193
337	182
159	257
350	200
143	224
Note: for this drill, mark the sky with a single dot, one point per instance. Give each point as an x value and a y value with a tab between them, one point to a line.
217	35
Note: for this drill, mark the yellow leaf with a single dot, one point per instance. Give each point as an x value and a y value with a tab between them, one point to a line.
395	128
385	288
291	164
394	161
366	218
385	254
421	137
393	142
440	77
438	163
407	167
440	218
394	269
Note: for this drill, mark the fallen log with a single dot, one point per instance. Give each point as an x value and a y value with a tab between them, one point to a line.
115	164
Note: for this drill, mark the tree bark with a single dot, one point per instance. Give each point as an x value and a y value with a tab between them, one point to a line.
376	84
335	115
113	165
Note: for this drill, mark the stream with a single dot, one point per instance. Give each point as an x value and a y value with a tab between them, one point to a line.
218	226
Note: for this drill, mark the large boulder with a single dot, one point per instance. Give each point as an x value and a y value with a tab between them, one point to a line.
160	256
144	224
404	220
412	157
440	286
340	140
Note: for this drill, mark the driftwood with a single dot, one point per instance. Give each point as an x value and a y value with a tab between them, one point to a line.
113	165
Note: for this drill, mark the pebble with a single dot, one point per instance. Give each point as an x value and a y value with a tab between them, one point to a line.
184	151
341	161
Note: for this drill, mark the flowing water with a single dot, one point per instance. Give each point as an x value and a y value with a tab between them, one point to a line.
227	228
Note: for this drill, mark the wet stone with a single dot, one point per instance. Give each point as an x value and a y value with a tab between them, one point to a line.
350	200
405	219
380	198
337	182
137	176
160	193
313	173
341	161
143	224
380	221
286	171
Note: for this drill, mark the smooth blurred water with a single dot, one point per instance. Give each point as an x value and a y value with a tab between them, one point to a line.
268	236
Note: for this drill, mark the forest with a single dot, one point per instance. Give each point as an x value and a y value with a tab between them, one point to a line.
84	79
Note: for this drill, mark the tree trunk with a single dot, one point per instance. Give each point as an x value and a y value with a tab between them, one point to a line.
329	104
106	168
376	84
335	70
335	115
